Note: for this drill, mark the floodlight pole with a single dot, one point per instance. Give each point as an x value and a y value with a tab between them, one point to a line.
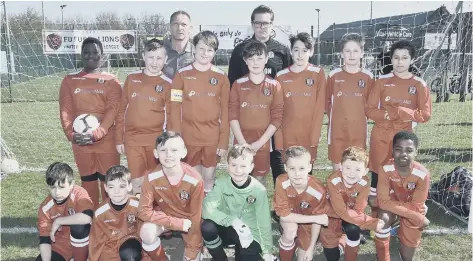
318	36
62	15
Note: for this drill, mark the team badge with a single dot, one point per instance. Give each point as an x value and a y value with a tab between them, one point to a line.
350	204
339	94
213	81
184	195
267	92
387	98
288	94
100	80
270	54
309	82
361	83
250	199
131	218
158	88
71	211
304	204
412	90
411	185
355	194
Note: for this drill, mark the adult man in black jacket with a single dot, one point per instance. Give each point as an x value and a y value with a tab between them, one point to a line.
279	58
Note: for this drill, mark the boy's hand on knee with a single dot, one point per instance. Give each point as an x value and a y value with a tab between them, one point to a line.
269	257
380	225
54	228
187	225
323	220
423	209
243	231
426	222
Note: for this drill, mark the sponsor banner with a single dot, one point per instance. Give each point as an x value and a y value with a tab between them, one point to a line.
432	41
70	41
230	36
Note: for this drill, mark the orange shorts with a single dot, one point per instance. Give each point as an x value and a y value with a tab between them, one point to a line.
140	159
304	233
202	155
380	147
111	251
90	163
261	160
331	235
336	148
409	235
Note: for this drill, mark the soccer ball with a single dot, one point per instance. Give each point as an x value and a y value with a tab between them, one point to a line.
10	166
85	123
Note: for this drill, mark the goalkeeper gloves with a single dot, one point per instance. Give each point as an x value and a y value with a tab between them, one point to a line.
243	231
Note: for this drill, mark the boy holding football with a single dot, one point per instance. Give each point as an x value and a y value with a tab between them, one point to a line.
171	200
256	108
403	188
199	108
300	202
236	211
398	101
347	91
349	189
64	217
91	91
143	112
114	232
303	87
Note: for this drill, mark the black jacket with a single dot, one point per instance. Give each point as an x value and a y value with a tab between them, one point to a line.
279	58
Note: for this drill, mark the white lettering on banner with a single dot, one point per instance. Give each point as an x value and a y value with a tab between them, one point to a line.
70	41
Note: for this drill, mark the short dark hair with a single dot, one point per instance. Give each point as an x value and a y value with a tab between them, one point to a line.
403	44
304	38
295	152
262	9
153	45
163	138
92	40
208	38
352	37
60	172
406	135
240	150
117	172
179	12
254	47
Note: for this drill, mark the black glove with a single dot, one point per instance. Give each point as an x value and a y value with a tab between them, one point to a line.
83	139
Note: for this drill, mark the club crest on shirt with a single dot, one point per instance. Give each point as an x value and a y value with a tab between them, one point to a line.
361	83
131	218
250	199
184	195
267	92
100	80
309	82
270	54
355	194
411	185
304	204
412	90
71	211
213	81
158	88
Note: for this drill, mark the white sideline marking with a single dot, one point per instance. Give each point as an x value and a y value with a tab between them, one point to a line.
437	231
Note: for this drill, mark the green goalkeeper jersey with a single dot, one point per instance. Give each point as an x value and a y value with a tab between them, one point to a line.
227	202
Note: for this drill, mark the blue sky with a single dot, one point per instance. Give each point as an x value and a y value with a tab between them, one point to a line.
297	14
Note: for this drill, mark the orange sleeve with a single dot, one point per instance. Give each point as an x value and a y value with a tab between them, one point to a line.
369	87
424	107
175	104
83	201
234	103
120	120
224	123
194	236
372	107
328	95
111	104
148	214
358	212
319	109
66	109
277	106
280	200
402	209
96	240
44	223
279	134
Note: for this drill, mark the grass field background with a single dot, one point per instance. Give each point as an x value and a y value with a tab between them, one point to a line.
33	132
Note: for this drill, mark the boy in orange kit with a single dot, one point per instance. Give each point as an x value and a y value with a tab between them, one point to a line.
199	109
256	107
143	112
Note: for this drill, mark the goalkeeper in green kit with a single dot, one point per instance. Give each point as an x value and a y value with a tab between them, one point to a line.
236	212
